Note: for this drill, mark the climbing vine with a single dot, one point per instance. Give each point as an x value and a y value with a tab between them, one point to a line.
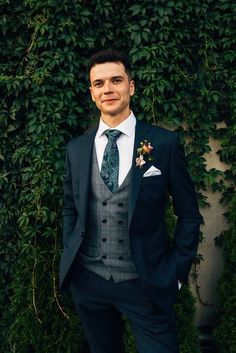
182	55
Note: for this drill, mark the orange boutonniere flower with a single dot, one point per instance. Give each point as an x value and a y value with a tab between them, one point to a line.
144	153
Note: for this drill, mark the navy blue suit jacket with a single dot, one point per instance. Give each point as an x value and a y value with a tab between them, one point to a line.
159	266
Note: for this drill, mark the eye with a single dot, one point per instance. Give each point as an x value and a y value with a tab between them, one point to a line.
98	84
117	80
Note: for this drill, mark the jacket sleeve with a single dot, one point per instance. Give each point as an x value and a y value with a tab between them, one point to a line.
69	211
185	205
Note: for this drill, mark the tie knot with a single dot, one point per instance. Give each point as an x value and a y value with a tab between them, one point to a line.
112	135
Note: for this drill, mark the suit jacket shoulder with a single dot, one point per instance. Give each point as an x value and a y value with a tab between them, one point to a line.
161	134
76	141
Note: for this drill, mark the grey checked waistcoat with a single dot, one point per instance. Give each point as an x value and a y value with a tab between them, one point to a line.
105	249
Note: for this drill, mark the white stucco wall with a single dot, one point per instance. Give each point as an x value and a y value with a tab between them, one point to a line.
210	269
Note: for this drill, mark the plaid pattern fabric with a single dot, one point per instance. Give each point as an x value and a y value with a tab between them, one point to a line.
105	249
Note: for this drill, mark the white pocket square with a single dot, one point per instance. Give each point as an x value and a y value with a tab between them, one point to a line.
152	171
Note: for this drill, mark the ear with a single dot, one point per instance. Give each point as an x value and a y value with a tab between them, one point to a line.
131	88
91	92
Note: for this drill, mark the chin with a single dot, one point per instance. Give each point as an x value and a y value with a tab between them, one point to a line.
111	112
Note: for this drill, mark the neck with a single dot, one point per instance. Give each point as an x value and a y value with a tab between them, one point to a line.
113	121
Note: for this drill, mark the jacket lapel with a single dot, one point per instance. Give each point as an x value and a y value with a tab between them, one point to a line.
141	133
86	149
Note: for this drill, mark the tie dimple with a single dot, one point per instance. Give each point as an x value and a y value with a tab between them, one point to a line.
110	162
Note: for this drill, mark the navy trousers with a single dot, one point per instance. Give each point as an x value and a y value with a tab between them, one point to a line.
101	304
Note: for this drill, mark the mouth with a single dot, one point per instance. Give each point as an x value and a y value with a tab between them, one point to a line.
109	100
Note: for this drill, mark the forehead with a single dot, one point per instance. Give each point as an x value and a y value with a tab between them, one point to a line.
107	70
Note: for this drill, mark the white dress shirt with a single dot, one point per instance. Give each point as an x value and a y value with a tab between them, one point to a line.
125	144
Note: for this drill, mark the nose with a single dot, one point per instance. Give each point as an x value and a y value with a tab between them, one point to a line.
107	87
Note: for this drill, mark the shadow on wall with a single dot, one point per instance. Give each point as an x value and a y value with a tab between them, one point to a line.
207	343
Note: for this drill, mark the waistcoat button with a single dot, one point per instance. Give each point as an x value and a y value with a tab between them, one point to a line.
104	257
121	258
104	221
104	239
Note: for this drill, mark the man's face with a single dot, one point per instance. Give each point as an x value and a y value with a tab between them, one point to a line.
111	90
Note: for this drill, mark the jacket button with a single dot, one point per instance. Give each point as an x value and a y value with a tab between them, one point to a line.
104	221
121	241
104	239
120	204
104	257
104	203
82	234
120	258
120	222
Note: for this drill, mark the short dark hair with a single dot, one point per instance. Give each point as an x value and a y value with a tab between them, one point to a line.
110	55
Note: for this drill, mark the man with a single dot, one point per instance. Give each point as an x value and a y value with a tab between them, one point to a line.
117	259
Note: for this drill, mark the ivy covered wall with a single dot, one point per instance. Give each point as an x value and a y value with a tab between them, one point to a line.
183	56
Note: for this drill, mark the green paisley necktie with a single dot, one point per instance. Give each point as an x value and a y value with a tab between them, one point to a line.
110	162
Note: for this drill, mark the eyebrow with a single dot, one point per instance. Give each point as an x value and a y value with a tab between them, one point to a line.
112	78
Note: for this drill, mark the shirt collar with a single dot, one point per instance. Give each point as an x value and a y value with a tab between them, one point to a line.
126	127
